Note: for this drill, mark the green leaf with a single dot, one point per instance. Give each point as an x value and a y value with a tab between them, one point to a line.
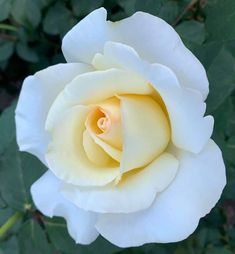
6	50
10	246
7	127
84	7
5	9
220	20
26	53
58	20
18	172
26	12
150	6
191	31
169	11
218	250
57	231
221	75
32	239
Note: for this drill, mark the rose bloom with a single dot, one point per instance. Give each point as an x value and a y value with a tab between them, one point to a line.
121	128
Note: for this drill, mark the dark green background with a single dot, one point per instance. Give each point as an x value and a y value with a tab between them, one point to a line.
31	41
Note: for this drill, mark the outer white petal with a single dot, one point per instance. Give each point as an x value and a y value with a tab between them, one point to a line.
37	94
157	42
175	213
136	191
186	109
190	129
47	198
86	38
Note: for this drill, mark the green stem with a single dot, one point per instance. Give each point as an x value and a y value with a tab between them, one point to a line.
8	27
10	223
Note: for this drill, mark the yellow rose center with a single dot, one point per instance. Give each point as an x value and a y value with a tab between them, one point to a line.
104	120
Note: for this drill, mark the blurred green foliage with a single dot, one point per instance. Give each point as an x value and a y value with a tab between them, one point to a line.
30	39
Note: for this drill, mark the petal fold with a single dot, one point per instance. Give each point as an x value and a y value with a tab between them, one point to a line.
176	211
159	43
86	38
135	191
48	199
66	156
37	95
185	106
146	131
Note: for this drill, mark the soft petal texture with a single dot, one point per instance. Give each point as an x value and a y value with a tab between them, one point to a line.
146	131
136	191
113	152
159	43
94	152
190	130
48	199
113	135
86	38
66	156
37	95
95	87
176	211
156	43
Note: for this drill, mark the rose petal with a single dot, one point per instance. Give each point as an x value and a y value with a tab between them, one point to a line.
159	43
175	213
110	150
190	130
94	87
156	43
47	198
86	38
146	131
66	156
136	191
37	95
94	152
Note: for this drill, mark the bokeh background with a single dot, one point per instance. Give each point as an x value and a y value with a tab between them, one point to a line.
30	39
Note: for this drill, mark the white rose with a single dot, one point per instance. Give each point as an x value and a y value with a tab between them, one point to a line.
121	127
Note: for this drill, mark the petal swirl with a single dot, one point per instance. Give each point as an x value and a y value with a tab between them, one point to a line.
175	213
135	191
66	156
37	95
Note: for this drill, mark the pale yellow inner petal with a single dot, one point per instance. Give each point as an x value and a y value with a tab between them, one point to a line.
146	131
104	121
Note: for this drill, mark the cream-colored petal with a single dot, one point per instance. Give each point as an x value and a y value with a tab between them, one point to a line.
136	191
36	97
146	131
98	86
113	135
94	152
185	106
66	156
110	150
94	88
